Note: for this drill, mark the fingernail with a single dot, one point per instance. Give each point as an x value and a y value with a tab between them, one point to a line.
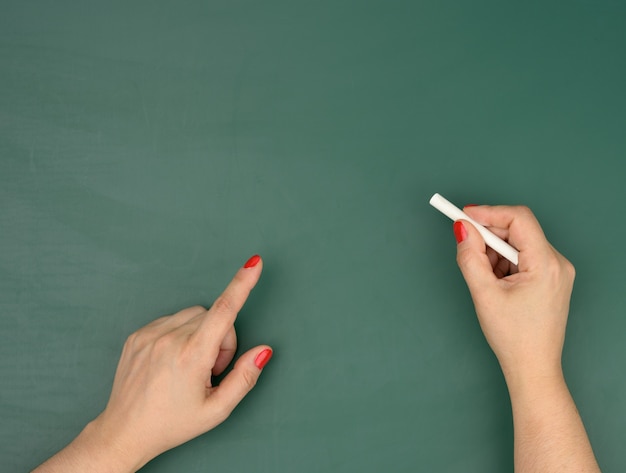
471	205
252	262
460	233
262	358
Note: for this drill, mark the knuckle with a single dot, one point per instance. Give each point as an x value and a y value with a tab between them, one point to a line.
559	269
155	323
248	380
553	267
136	340
524	211
463	257
222	304
570	269
131	340
164	342
197	308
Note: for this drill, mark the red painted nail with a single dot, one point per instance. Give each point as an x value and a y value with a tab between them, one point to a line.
252	262
471	205
460	233
262	358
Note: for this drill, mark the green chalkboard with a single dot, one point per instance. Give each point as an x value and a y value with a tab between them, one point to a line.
147	149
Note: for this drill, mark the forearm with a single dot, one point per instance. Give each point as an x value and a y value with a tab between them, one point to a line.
91	452
549	433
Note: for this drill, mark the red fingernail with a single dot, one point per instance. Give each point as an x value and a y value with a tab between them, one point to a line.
262	358
471	205
460	233
252	262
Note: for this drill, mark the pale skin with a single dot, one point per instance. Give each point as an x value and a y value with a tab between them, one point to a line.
162	394
523	313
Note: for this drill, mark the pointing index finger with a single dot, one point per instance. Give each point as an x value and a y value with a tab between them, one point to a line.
221	316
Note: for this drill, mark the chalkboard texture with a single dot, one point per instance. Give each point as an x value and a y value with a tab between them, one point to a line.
147	149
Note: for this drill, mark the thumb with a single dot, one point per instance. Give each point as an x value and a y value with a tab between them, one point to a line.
239	382
471	256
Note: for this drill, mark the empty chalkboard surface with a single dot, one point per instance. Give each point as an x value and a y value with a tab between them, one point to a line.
147	149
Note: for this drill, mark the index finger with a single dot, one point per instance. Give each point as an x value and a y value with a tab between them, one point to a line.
221	316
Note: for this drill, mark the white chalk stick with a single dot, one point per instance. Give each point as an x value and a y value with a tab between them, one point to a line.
450	210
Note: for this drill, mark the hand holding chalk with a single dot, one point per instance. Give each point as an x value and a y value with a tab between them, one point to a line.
450	210
523	314
523	319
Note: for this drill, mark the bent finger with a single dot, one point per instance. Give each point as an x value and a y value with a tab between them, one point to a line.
226	353
239	382
524	231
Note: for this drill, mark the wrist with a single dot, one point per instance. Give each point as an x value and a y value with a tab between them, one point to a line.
93	451
530	382
107	449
